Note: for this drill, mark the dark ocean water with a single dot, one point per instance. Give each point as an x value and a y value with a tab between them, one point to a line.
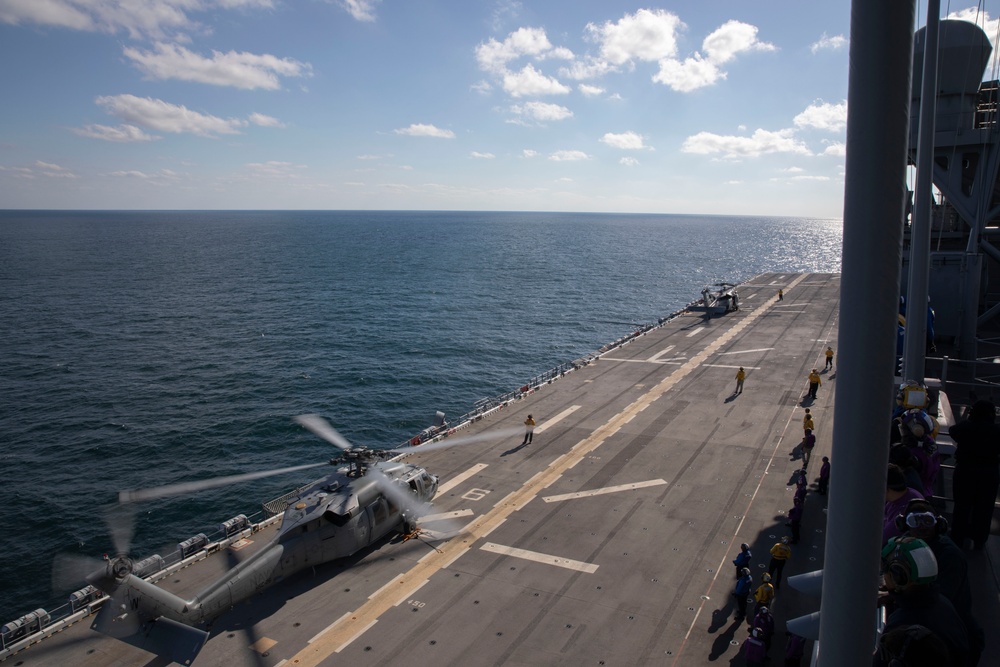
147	348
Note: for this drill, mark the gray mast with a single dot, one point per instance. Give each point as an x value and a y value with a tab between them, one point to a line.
915	341
874	193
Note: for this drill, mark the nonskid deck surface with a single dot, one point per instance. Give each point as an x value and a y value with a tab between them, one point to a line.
606	541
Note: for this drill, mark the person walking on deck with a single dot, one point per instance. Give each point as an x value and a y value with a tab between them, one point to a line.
807	421
814	383
529	430
781	295
743	587
829	357
824	477
741	375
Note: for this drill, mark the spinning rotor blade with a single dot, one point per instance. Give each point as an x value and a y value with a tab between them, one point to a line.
322	428
454	442
399	494
139	495
121	526
70	571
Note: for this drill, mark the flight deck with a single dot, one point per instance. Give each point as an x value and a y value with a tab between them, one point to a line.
607	540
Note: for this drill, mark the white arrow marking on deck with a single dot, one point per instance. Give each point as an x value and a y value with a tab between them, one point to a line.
698	330
644	361
558	418
759	349
353	624
540	557
661	353
455	481
607	489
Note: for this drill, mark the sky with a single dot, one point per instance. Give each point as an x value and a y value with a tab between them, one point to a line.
727	107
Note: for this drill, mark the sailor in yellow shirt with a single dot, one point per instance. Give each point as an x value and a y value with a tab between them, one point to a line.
529	430
829	357
780	553
807	422
741	375
814	383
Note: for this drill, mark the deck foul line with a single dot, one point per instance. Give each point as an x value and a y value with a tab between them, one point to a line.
458	479
607	489
558	418
353	625
567	563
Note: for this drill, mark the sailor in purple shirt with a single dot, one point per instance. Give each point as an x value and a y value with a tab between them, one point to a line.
897	495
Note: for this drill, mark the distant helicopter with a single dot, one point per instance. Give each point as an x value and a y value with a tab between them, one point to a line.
366	498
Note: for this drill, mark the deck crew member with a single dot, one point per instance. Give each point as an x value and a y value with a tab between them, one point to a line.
529	430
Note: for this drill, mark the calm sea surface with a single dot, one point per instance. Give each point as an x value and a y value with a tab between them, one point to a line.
147	348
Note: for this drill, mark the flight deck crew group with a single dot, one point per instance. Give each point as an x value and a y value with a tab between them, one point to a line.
761	624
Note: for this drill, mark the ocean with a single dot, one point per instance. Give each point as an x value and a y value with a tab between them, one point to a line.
146	348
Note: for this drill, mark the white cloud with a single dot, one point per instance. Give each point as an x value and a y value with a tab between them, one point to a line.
493	56
760	143
826	43
166	117
482	87
264	121
123	133
646	35
823	116
527	152
836	149
732	38
482	156
138	18
721	46
275	169
237	69
629	141
689	75
422	130
362	10
590	91
629	162
542	111
530	82
53	170
568	156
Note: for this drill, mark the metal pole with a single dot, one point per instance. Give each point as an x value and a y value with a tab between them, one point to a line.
915	340
875	188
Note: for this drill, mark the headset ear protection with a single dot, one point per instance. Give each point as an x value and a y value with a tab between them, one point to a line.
905	522
896	566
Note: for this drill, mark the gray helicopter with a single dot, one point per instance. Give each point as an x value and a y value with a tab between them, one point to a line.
366	498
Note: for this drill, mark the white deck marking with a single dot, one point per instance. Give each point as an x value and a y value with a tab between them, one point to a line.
759	349
607	489
558	418
540	557
316	636
357	634
661	353
455	481
646	361
698	330
748	368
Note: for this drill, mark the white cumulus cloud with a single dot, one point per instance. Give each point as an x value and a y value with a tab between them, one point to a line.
542	111
730	147
568	156
826	43
530	82
823	116
629	141
649	34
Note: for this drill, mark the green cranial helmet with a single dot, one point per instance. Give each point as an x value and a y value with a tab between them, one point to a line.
909	560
